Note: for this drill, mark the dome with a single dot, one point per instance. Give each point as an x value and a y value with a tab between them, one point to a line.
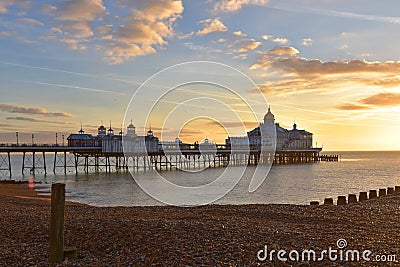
102	128
269	115
131	126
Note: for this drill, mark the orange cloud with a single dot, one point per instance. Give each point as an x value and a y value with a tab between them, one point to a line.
36	120
153	10
147	34
283	50
386	99
248	45
150	24
147	27
211	25
240	34
32	110
298	74
81	10
382	99
352	106
305	67
280	40
4	6
77	30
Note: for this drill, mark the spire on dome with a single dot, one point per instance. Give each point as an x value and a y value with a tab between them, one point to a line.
81	131
150	132
131	126
110	131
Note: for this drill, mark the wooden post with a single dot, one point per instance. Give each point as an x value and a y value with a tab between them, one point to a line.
57	222
352	198
328	201
312	203
363	196
382	192
341	200
390	190
372	194
397	190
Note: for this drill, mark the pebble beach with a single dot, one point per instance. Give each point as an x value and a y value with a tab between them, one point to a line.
213	235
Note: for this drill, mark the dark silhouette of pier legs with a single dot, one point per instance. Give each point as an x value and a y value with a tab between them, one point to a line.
5	163
32	161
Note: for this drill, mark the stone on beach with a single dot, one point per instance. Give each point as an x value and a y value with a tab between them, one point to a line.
211	235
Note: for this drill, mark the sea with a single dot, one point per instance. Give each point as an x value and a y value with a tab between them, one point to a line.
284	184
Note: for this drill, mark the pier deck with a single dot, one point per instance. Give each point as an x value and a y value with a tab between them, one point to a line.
94	159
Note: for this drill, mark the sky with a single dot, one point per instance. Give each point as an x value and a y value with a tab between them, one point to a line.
333	67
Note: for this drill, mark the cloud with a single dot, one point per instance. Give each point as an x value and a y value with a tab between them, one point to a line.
32	21
73	44
36	120
382	99
240	34
149	27
48	9
314	67
386	99
298	74
74	19
195	47
26	41
32	110
307	42
5	33
266	37
122	52
144	33
80	10
240	57
248	45
280	40
235	5
4	6
211	25
77	30
351	106
283	50
154	10
146	27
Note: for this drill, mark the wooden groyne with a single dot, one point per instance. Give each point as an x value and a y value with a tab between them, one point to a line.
363	196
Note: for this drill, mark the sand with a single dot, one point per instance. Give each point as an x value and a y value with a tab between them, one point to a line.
202	236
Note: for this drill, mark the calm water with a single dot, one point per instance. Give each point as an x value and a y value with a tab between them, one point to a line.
294	184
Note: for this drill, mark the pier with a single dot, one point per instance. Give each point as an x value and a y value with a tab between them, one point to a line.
93	159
